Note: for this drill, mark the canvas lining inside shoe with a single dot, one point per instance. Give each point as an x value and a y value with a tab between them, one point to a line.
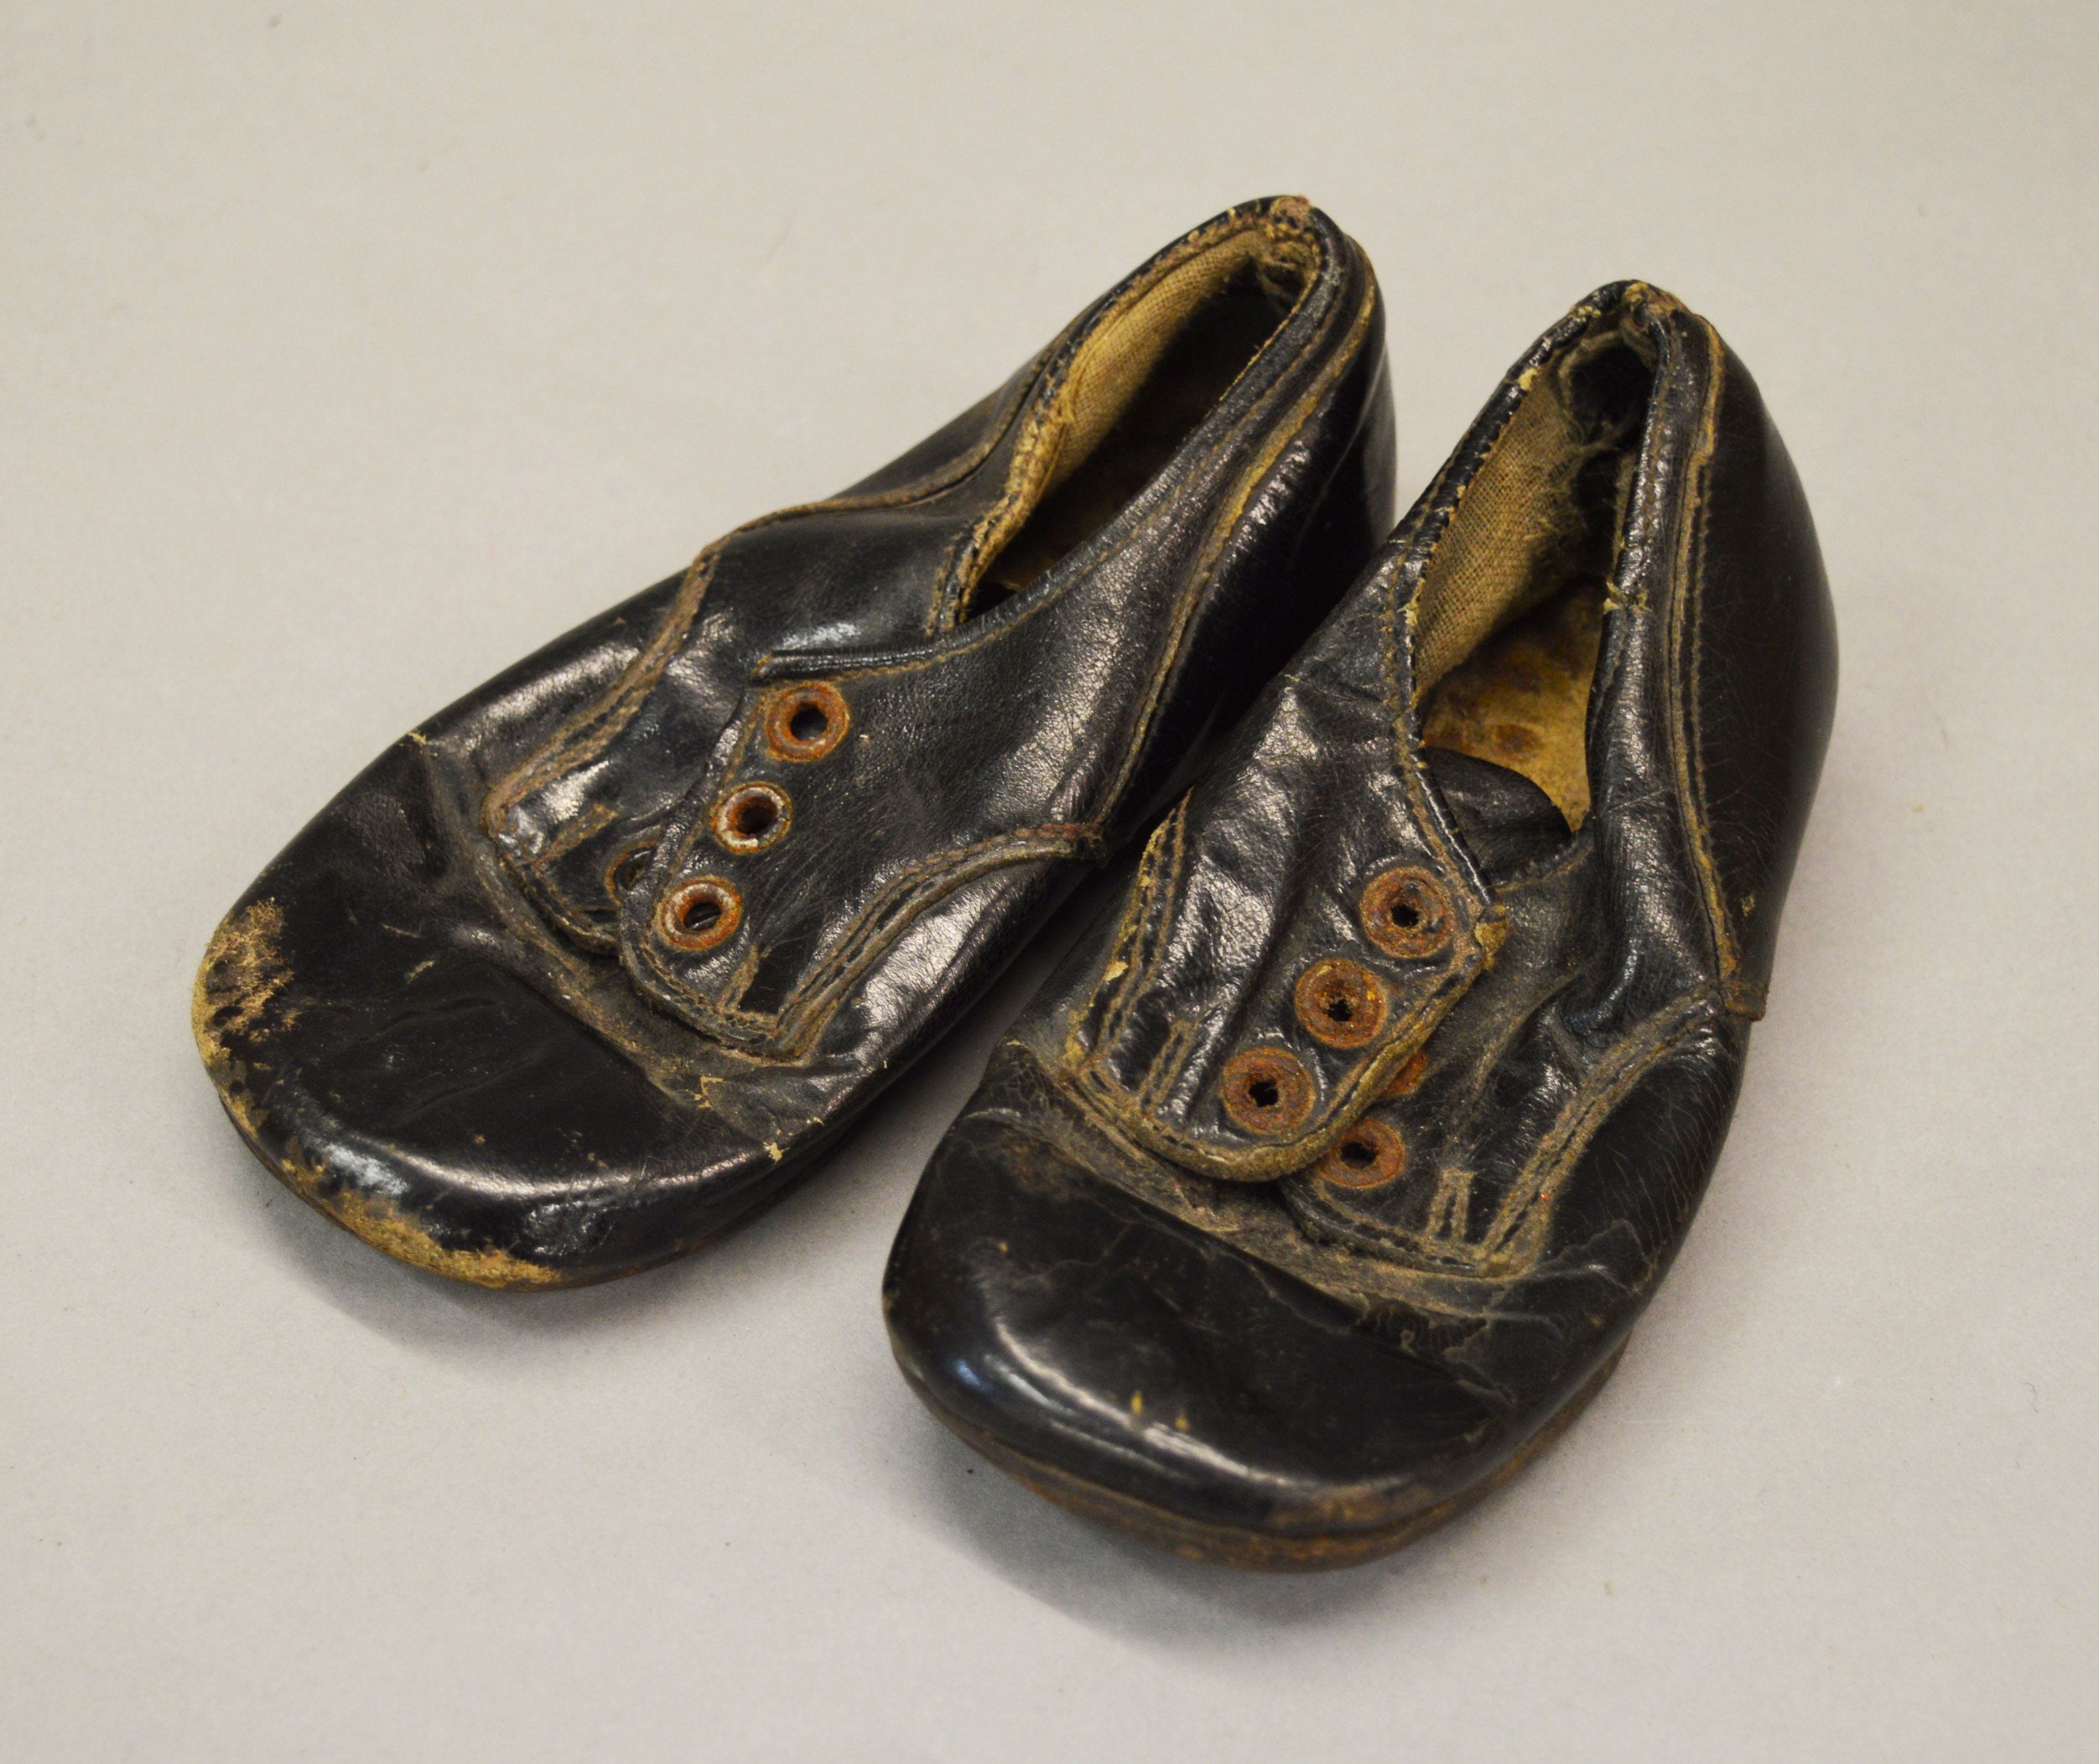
1151	370
1510	613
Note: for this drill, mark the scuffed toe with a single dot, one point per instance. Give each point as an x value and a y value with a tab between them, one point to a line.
398	1068
1156	1379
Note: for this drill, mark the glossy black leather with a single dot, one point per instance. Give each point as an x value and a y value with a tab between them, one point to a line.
1292	1338
464	1014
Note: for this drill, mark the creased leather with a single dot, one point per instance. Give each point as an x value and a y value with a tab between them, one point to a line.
1259	874
1021	736
441	1014
613	774
1270	1360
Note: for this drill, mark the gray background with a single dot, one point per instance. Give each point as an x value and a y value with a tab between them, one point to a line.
349	352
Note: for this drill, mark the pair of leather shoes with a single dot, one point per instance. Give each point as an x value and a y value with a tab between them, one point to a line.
1323	1183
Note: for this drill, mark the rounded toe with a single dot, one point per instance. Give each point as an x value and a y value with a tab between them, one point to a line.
380	1055
1156	1379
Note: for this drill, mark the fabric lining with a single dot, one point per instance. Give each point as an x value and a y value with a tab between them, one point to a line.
1148	371
1509	615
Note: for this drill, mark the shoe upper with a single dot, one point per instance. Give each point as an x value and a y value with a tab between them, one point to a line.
590	963
1429	1001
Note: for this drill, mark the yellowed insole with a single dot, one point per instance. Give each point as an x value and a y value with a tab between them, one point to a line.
1521	700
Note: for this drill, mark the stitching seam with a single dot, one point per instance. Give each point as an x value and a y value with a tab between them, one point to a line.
1041	435
574	744
913	888
1224	526
1686	607
1354	1093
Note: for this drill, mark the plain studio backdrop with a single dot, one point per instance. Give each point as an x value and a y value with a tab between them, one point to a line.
348	352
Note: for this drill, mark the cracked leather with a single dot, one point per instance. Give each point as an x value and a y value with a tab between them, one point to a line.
1221	1335
472	1014
1256	876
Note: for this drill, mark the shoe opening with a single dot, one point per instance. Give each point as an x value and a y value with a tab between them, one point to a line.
1510	614
1150	369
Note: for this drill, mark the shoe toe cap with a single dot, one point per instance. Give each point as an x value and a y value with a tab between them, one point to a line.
368	1017
1153	1377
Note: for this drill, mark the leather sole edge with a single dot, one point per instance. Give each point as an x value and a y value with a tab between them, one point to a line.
1243	1546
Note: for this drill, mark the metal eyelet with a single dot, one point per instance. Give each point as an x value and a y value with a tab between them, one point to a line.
1341	1002
700	913
806	721
752	817
628	868
1406	913
1370	1155
1267	1090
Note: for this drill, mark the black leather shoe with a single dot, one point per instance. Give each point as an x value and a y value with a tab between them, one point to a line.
1321	1186
591	964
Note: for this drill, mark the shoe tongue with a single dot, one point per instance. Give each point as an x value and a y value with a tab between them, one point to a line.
1508	822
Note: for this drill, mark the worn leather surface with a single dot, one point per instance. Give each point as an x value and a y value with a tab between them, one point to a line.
1309	1327
466	1012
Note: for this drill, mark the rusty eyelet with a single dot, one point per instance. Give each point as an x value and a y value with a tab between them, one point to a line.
806	722
753	817
1407	1079
1267	1090
624	871
1341	1002
1406	913
1370	1155
700	913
